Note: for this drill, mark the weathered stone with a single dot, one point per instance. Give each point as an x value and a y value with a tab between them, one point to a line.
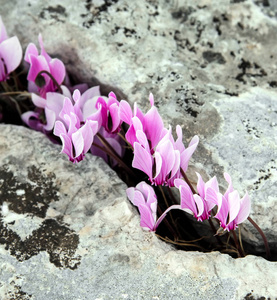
202	60
196	57
81	239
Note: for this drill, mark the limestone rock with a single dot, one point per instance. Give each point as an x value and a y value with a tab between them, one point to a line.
196	57
68	232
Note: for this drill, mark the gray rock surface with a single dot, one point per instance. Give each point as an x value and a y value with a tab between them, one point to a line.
68	232
211	66
202	61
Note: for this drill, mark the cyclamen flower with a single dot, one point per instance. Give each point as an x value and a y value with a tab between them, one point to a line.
76	133
52	105
232	210
43	62
155	151
10	53
201	204
151	123
110	113
165	164
143	196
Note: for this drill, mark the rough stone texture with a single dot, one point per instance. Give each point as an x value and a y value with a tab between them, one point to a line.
201	59
68	232
211	66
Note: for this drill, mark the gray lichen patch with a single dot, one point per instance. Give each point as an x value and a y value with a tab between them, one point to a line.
31	196
28	197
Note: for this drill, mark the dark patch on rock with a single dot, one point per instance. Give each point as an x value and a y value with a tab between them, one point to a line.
264	3
182	42
189	101
237	1
273	84
28	197
211	57
53	13
102	8
120	258
57	240
15	292
249	70
183	13
96	11
249	296
32	196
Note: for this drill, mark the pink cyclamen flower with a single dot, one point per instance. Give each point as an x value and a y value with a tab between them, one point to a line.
155	151
143	196
201	204
162	164
10	53
76	133
43	62
110	113
232	210
52	105
151	123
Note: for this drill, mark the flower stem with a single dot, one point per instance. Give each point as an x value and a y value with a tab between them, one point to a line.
240	254
110	151
268	255
53	79
188	182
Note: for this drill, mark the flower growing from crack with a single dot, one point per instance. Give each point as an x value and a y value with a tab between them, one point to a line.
48	109
110	113
155	151
143	196
232	210
10	53
75	131
43	69
201	204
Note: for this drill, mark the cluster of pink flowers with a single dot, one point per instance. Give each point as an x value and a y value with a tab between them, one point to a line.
231	209
81	117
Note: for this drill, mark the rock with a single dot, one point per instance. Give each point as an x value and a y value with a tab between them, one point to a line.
211	66
197	58
68	232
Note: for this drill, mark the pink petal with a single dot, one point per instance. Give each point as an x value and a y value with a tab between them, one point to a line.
57	70
142	160
38	101
234	205
151	99
90	94
245	207
187	200
87	134
50	118
186	154
199	203
31	50
146	221
11	53
153	125
125	112
78	143
67	146
38	64
114	114
59	128
42	50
